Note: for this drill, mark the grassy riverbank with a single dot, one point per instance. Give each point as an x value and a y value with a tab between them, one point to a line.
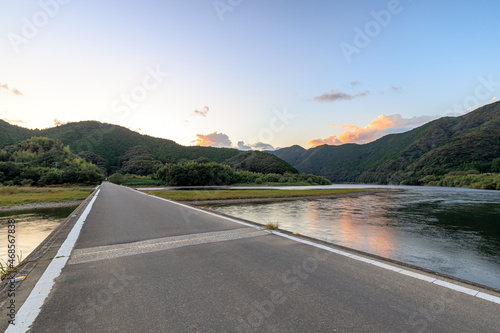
12	195
245	194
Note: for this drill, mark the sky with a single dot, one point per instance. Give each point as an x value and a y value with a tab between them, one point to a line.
254	74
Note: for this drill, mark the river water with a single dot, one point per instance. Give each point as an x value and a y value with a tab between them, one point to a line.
31	228
455	231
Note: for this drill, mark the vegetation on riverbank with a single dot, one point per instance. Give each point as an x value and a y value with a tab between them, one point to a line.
206	173
245	194
12	195
470	179
134	180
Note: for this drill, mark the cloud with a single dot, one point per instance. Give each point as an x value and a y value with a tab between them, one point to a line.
203	112
262	146
222	140
337	95
4	88
10	121
243	146
255	146
213	140
378	127
58	122
16	92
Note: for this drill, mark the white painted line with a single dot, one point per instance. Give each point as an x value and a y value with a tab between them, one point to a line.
31	307
362	259
488	297
418	276
386	266
456	287
429	279
80	256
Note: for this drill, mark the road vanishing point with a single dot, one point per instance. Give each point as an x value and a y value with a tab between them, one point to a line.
131	262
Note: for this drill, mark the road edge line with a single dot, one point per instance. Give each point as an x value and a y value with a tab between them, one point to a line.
31	308
439	282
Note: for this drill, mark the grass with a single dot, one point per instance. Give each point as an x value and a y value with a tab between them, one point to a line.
275	184
142	182
26	195
245	194
271	226
5	268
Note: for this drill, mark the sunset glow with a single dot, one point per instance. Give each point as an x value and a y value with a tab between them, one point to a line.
374	130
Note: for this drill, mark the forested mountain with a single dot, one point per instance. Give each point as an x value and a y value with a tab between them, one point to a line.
257	161
469	142
43	161
127	151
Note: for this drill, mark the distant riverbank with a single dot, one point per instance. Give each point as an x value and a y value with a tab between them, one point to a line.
248	195
41	205
19	198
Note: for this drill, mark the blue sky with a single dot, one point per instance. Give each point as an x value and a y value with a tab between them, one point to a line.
262	74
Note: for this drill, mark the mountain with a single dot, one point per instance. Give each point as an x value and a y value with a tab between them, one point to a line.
99	141
469	142
257	161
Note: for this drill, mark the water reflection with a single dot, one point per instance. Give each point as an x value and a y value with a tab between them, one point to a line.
450	230
32	227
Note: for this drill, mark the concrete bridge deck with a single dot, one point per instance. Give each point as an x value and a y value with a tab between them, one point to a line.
143	264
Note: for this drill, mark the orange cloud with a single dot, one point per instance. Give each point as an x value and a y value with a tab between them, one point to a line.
4	88
212	140
377	128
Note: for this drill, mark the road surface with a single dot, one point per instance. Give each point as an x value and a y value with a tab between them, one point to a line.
143	264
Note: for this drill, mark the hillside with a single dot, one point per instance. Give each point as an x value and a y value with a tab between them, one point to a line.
43	161
257	161
111	143
469	142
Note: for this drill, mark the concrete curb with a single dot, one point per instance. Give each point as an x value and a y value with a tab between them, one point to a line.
39	259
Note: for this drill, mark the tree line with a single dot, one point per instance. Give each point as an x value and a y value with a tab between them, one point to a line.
203	172
42	161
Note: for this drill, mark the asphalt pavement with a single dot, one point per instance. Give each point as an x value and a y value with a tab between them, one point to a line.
142	264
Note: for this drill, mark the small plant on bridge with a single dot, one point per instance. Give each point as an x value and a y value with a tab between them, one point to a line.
271	225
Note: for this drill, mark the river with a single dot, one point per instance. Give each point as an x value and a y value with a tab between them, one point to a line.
454	231
31	228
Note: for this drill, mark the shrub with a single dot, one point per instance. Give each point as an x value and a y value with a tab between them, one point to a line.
271	225
8	190
27	182
116	178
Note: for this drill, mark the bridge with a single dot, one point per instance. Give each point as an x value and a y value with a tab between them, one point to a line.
131	262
